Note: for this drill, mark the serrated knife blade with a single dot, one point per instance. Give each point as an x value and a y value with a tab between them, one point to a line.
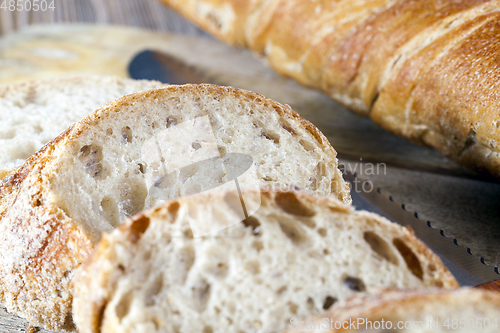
467	268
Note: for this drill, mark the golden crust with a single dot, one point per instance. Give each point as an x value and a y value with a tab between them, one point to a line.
393	61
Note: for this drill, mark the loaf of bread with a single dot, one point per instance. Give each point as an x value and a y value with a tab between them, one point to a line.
130	155
33	113
460	310
426	70
296	256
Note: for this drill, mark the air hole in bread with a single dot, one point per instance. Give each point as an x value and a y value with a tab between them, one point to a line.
127	134
281	290
252	222
138	228
208	329
380	246
185	260
123	306
201	294
91	157
170	121
325	251
109	210
315	179
222	151
329	301
109	131
142	168
213	20
322	232
188	233
253	266
308	222
409	257
196	145
153	289
257	245
287	127
275	138
310	304
308	146
289	203
293	307
133	195
154	125
292	231
355	284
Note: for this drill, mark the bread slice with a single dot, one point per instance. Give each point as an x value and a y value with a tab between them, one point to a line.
131	155
459	310
33	113
296	256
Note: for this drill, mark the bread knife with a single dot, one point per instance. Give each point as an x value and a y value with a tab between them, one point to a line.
469	269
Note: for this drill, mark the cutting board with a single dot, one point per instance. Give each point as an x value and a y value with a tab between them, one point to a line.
440	190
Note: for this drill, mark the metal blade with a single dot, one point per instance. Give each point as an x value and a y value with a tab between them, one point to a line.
468	269
153	65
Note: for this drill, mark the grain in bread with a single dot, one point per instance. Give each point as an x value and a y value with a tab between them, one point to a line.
296	256
456	310
55	207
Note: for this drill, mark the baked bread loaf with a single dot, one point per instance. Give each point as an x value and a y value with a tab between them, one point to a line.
459	310
131	155
296	256
33	113
426	70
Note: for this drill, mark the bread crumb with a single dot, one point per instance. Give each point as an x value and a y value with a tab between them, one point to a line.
31	329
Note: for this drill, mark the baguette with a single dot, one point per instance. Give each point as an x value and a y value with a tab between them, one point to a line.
33	113
432	310
297	255
426	70
108	166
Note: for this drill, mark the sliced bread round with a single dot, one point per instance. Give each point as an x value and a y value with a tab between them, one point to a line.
296	256
130	155
33	113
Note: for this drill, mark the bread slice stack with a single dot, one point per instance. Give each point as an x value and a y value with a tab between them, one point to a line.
426	70
35	112
133	154
433	310
296	256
